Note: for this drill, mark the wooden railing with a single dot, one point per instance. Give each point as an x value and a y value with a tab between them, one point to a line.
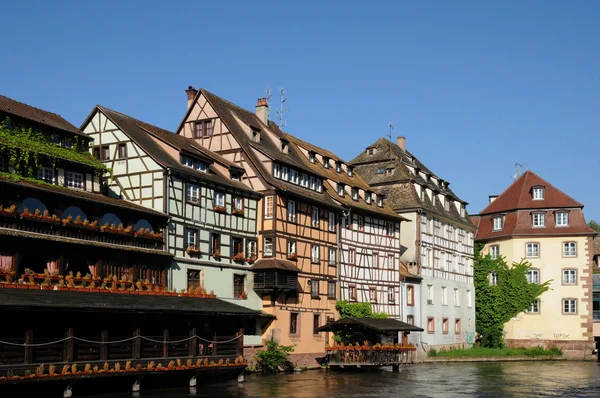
369	356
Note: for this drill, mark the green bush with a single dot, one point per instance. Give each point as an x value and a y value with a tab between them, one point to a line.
274	358
485	352
432	352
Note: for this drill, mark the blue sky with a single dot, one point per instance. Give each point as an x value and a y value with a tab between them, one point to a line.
474	86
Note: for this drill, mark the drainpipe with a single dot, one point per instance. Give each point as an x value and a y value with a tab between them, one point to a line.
167	207
345	215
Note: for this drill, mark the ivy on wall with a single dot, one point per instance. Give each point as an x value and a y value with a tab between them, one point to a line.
497	304
28	149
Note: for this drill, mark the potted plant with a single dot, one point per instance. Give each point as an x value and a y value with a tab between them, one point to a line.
251	260
216	254
292	256
239	258
237	212
8	211
244	296
220	209
192	250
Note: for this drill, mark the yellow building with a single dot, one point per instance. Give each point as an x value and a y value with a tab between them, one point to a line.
535	221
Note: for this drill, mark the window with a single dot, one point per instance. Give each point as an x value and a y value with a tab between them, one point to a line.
268	207
352	292
375	258
215	244
235	176
360	222
569	306
239	282
469	299
237	246
410	319
105	153
311	183
311	157
410	295
276	171
539	220
304	180
534	308
96	152
430	325
457	326
316	320
352	256
570	249
314	289
267	247
203	129
379	200
255	135
46	174
284	173
444	295
73	180
532	250
562	219
331	259
340	189
373	294
338	167
445	325
498	223
494	251
326	162
122	151
315	255
533	276
493	278
191	238
315	217
429	294
456	297
291	248
285	146
291	208
68	143
331	290
293	176
349	171
391	294
187	162
538	193
331	221
251	249
194	279
57	139
370	151
219	200
569	277
389	228
238	205
294	319
354	193
319	184
391	262
368	197
192	193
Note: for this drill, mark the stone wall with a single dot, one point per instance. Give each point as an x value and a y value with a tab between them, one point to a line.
581	350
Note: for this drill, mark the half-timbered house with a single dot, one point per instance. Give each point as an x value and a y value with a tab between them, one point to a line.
368	255
212	230
439	241
297	218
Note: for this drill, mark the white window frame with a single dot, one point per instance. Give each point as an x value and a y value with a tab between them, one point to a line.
469	299
495	251
456	297
538	220
46	174
569	276
368	197
538	193
562	219
373	294
192	193
391	261
291	247
276	171
444	295
315	253
303	180
284	173
74	180
269	200
569	249
315	217
193	234
311	157
332	223
251	248
498	223
331	259
534	308
219	199
391	294
340	190
569	306
532	250
291	209
293	176
354	193
201	166
379	200
267	246
311	183
319	185
533	276
493	277
238	203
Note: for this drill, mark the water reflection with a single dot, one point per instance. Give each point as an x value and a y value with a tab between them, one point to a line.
508	379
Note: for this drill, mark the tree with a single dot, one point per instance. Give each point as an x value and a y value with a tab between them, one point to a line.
274	358
497	304
357	310
594	225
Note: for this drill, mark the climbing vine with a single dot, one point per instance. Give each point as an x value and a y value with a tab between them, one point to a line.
497	304
26	150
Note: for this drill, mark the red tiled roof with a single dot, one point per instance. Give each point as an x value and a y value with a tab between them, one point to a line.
519	196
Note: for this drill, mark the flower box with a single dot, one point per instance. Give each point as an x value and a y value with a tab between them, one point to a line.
216	255
239	258
237	212
220	209
193	250
292	256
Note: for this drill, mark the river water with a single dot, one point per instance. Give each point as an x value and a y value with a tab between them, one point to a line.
475	379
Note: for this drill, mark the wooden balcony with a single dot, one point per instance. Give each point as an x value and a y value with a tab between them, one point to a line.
366	356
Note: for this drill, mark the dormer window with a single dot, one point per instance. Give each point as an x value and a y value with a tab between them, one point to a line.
370	151
236	175
326	162
276	171
562	219
338	167
354	193
293	176
538	193
200	166
389	172
319	185
285	146
340	189
379	200
284	173
187	161
380	170
311	182
498	223
447	204
538	220
349	171
304	180
256	136
312	157
368	197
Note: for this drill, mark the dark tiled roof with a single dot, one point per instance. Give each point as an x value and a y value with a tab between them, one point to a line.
19	298
275	263
142	133
33	114
232	115
82	195
376	324
519	196
401	194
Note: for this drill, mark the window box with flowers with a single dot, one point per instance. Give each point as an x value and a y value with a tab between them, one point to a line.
239	258
244	296
292	256
216	255
251	260
38	215
220	209
192	250
119	230
8	211
148	234
237	212
78	223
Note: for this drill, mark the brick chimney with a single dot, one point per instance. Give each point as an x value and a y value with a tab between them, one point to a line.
262	110
191	94
402	142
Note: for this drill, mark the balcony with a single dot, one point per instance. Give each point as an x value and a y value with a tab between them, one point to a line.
275	275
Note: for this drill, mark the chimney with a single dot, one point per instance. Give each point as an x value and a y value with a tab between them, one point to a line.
191	94
492	198
262	110
402	142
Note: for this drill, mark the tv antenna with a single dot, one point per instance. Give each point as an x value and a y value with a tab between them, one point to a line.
268	95
518	166
282	110
391	127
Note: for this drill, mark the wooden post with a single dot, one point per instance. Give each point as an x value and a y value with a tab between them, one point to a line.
104	345
28	349
137	344
240	342
165	343
69	346
193	343
214	344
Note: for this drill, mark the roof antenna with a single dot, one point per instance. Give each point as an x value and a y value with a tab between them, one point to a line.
268	96
518	166
389	135
282	110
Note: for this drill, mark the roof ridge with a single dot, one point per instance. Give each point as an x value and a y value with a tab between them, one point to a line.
34	107
131	117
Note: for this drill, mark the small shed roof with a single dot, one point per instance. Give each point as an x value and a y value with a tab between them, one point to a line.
275	263
379	325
